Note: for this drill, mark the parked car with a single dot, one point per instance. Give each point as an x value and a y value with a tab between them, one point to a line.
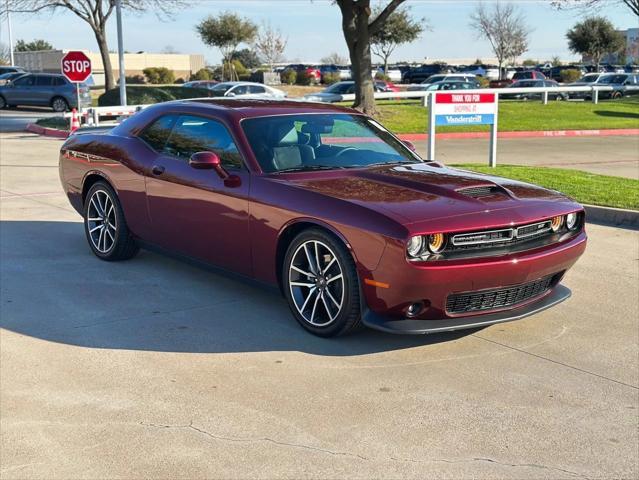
385	86
393	74
419	74
312	70
622	83
11	69
334	92
246	90
589	79
555	72
532	96
490	72
44	90
9	76
201	84
328	206
449	77
451	85
525	75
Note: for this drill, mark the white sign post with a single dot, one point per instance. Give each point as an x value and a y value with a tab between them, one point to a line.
463	109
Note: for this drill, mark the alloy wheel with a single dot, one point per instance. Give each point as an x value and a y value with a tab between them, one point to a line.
59	105
101	221
316	282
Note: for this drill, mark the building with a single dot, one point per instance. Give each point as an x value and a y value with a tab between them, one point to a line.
630	55
183	65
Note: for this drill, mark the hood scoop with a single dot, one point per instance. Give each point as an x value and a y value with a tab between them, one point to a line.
481	191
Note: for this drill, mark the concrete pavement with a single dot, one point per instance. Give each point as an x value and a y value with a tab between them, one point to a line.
617	156
155	368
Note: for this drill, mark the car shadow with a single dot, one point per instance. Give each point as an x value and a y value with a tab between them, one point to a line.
607	113
54	289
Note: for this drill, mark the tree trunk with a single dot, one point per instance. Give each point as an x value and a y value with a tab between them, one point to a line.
109	82
386	65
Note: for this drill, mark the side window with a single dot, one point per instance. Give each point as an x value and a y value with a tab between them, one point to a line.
156	134
256	89
43	81
58	81
240	90
198	134
26	81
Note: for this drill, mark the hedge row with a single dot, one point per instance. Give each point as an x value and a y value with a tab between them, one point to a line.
141	95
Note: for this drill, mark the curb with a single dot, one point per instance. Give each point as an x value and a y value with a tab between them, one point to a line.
46	131
618	217
619	132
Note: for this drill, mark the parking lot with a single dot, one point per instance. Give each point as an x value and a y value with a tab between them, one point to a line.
156	368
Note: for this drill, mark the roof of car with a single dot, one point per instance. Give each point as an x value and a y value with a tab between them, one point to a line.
259	107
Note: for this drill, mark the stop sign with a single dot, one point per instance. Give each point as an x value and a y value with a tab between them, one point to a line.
76	66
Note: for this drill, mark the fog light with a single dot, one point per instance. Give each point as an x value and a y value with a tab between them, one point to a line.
415	309
571	221
556	223
436	242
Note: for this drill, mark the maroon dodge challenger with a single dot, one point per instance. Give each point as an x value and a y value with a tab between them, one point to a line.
329	206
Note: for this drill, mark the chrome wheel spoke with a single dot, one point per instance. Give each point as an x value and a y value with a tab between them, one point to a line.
101	221
91	230
310	284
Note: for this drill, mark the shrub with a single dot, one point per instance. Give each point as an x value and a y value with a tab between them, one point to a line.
304	78
483	82
201	74
570	75
330	78
289	77
134	80
239	68
179	81
382	76
142	95
159	75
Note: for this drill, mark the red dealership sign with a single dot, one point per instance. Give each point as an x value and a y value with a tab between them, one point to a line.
76	66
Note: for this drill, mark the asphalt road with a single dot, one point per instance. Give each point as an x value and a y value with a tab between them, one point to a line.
618	156
154	368
16	119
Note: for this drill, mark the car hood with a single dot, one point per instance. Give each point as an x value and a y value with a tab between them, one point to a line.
419	193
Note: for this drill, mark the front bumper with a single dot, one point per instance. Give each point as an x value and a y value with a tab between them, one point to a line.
414	326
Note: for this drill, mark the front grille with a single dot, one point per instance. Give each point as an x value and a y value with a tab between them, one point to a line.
500	238
497	298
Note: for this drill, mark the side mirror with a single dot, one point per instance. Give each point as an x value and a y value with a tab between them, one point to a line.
409	145
210	161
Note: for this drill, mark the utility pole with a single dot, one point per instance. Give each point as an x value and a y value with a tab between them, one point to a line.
10	34
118	13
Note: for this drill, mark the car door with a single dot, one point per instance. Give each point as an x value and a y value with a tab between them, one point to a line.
20	92
42	90
193	211
238	91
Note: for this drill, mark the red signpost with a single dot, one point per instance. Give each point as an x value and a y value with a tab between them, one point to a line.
76	66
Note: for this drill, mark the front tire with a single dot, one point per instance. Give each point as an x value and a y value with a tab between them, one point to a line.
3	103
321	284
105	226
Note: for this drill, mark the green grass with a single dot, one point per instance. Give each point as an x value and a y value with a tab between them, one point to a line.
54	122
410	117
582	186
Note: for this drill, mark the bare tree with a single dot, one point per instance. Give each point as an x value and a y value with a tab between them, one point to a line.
170	49
504	27
5	54
270	45
335	59
592	6
96	13
358	25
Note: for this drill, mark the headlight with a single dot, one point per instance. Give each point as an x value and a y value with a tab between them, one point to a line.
415	245
556	223
571	221
436	242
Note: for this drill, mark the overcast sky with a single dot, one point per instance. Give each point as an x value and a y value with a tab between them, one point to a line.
313	28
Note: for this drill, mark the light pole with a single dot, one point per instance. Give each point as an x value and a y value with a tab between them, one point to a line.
118	14
10	34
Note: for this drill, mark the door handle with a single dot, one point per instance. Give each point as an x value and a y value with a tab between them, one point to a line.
157	170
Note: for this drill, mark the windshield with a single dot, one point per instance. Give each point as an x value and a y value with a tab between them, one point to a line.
322	141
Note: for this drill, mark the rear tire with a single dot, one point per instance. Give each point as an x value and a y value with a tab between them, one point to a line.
321	285
59	104
106	229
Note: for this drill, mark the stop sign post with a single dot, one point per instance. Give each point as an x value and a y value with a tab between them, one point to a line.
76	66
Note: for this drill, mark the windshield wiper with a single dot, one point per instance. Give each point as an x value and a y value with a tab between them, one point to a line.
309	168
